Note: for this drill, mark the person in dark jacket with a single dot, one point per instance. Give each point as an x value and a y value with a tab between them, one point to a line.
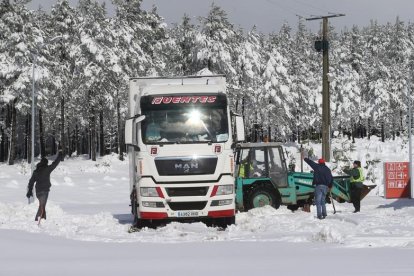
357	178
323	180
41	176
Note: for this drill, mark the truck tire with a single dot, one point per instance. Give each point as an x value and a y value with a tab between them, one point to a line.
261	195
222	223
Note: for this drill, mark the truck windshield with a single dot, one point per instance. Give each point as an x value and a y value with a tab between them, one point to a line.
178	120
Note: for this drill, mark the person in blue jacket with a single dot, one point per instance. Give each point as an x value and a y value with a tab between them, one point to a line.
323	180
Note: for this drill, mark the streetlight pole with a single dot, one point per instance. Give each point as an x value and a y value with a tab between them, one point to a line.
33	102
33	112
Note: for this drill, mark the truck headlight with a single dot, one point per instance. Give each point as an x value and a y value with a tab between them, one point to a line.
150	192
152	204
224	190
221	202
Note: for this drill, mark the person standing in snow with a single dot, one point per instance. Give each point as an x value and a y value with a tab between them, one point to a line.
323	180
41	176
357	177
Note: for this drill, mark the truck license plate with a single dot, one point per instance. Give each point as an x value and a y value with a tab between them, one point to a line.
187	214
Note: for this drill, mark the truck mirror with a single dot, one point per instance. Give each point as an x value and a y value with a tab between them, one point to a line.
140	119
240	137
129	125
130	128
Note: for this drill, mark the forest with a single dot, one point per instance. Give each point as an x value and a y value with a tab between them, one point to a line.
78	60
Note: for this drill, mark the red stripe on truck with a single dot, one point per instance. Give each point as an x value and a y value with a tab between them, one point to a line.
220	214
214	192
159	191
153	215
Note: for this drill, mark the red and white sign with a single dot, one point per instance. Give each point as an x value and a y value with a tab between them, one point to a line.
396	179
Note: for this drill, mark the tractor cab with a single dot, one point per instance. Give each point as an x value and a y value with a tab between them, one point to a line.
261	161
261	171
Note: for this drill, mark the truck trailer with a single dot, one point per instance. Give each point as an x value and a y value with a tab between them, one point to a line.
179	136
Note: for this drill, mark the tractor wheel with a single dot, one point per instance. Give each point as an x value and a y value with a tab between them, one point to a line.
262	195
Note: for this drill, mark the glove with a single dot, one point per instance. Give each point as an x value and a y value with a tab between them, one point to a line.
29	194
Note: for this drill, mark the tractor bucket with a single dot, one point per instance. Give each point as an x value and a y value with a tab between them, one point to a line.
366	189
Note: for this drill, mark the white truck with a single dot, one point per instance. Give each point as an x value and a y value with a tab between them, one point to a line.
180	137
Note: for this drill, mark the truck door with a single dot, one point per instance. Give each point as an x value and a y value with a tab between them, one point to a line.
277	167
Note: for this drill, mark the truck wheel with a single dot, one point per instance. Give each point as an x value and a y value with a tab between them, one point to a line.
293	207
262	195
222	223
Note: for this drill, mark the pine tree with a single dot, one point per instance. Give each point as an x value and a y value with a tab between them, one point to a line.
217	47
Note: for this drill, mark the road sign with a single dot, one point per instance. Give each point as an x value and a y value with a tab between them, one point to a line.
396	179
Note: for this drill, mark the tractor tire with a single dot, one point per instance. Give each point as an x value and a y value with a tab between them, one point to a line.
261	195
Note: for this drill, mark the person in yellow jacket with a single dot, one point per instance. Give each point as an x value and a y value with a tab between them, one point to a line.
357	177
246	168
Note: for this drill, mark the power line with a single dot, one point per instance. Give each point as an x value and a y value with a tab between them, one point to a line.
286	8
311	6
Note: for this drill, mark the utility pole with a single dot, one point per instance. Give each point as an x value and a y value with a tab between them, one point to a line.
323	45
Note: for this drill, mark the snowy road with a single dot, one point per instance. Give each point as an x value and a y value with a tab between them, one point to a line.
42	254
88	218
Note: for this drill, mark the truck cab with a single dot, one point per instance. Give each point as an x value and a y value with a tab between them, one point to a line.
180	150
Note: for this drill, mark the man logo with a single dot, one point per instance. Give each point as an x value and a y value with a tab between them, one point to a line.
186	167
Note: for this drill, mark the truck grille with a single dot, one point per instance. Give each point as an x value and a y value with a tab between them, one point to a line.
190	191
186	165
192	205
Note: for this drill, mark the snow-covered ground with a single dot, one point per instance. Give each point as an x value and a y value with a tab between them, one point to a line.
88	218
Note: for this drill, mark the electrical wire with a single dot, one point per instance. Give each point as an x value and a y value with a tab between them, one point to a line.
311	6
286	8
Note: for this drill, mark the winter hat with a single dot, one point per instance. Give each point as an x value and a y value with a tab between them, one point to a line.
321	161
358	163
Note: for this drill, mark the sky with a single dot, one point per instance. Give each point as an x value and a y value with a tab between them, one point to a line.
269	15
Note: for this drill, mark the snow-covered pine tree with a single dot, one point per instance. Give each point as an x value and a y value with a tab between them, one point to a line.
346	100
183	56
217	46
92	63
304	70
277	100
249	66
19	41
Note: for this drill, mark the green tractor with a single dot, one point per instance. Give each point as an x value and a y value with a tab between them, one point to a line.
264	179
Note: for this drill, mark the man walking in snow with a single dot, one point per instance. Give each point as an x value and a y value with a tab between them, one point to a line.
41	176
357	177
323	180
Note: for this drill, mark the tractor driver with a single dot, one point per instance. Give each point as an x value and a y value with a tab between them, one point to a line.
246	168
249	168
